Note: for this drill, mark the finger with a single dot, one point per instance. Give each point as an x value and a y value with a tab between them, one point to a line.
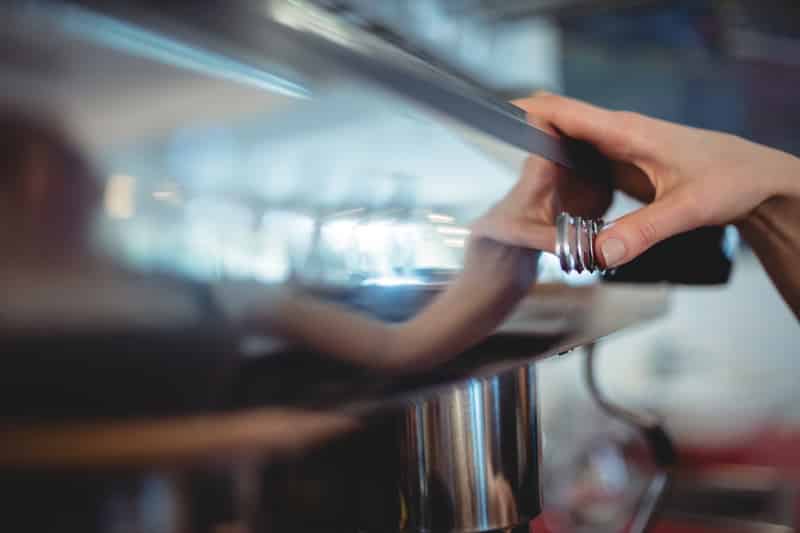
618	135
537	122
516	232
636	232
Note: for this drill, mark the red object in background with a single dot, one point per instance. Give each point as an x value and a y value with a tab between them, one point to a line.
538	525
777	448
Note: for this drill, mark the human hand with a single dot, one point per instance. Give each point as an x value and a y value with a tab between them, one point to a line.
524	217
689	177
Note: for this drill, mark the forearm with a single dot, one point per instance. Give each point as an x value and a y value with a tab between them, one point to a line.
494	280
454	321
469	310
773	232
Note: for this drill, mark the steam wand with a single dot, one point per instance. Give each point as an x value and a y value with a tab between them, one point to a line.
657	439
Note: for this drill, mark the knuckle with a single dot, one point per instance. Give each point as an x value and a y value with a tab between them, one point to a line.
691	205
631	132
648	234
695	211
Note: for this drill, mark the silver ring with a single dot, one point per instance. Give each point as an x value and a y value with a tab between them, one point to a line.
589	238
591	231
562	241
575	241
580	229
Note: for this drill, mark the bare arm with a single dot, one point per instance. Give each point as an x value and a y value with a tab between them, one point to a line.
773	232
495	278
688	178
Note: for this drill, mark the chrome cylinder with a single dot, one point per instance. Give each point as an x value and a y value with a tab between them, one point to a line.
472	456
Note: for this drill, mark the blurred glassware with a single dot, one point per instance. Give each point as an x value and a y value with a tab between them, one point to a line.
384	248
335	193
597	491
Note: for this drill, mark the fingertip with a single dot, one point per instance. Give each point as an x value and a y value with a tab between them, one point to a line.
604	253
536	97
535	112
612	251
523	103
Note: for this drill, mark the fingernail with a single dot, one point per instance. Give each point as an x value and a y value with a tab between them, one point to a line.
613	252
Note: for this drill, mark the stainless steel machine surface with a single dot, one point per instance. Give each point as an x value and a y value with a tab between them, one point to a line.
472	457
302	436
186	162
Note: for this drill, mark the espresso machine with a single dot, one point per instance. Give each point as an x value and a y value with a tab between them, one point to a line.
211	154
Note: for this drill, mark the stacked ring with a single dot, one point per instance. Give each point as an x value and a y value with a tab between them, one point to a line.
575	238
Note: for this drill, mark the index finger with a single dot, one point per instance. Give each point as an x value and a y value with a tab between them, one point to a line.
609	131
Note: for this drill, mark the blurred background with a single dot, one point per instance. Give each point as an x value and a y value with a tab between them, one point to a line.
169	139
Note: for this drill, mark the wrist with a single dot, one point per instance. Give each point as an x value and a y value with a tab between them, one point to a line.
779	213
777	181
787	175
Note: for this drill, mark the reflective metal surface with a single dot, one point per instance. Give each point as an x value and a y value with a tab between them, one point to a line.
416	249
472	456
170	176
221	138
314	43
732	497
201	500
575	242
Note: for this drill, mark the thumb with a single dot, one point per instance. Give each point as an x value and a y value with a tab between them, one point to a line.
633	234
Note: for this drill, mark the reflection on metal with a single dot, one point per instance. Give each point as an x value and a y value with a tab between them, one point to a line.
467	37
521	9
472	456
449	230
475	446
439	218
734	498
455	243
649	504
119	198
134	40
169	193
311	41
153	501
394	247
